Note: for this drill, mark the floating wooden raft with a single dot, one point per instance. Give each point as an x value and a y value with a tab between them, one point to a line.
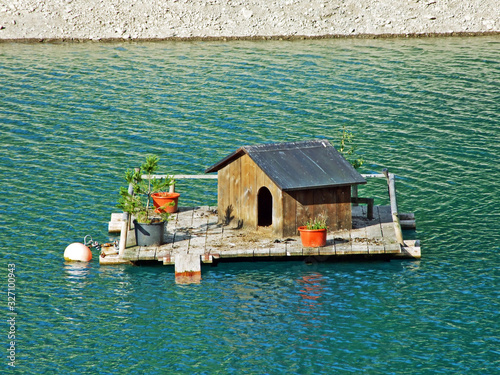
195	232
115	225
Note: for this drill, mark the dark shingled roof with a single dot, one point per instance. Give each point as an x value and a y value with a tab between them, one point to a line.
298	165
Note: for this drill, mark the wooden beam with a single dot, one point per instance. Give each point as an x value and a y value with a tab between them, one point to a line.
408	224
125	224
407	216
214	176
394	206
183	176
368	201
354	194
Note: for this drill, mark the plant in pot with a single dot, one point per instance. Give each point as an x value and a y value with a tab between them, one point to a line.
149	227
166	201
313	233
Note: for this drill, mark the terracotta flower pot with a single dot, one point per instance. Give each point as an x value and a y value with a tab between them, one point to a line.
163	198
312	237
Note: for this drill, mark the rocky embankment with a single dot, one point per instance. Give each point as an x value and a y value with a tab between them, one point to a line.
157	19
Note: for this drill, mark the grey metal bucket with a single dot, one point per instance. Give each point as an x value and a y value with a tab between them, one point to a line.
149	234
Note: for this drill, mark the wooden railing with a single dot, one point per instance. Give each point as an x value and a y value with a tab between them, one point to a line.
214	176
391	181
182	177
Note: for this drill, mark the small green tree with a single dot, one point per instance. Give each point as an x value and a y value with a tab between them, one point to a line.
347	148
139	202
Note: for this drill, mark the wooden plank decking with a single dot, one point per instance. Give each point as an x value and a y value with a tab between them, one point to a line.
195	231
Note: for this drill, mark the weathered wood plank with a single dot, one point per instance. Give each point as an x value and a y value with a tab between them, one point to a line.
325	205
278	223
187	264
147	253
198	232
391	180
342	242
278	250
374	234
310	251
235	189
183	176
359	248
131	253
248	190
384	214
289	218
112	260
165	255
408	224
407	216
305	206
388	235
262	252
130	240
115	224
197	244
344	216
329	249
357	211
411	249
359	240
223	193
293	248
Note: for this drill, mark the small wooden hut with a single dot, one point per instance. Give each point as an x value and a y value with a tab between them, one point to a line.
283	185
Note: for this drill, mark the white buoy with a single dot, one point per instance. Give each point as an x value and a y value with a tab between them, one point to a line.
77	252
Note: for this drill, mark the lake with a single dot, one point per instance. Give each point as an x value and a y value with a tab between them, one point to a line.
75	116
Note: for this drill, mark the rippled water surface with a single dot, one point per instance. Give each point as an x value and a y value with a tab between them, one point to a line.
73	117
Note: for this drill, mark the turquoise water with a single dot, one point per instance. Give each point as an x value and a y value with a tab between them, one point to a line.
73	117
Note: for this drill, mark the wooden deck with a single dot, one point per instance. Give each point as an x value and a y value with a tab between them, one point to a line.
194	232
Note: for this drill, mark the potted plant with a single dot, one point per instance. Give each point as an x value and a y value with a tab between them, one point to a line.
313	233
149	228
165	201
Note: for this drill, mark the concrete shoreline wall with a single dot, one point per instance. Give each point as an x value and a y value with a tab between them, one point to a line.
47	20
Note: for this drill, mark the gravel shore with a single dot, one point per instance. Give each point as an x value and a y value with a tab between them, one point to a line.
219	19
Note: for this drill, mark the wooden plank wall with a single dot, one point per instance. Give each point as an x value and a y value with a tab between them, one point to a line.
223	192
277	203
326	203
305	206
261	180
335	203
235	189
344	212
290	224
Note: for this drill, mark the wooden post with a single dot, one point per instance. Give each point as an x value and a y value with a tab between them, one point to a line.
187	268
354	193
125	224
369	209
394	206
